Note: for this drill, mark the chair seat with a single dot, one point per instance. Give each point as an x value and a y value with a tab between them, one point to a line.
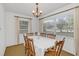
50	53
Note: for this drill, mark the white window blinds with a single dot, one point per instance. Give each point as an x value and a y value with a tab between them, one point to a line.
23	26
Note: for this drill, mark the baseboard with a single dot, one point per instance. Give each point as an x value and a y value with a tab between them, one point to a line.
69	52
5	51
14	45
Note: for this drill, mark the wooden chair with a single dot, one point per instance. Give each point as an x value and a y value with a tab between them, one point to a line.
55	51
43	34
29	34
29	47
36	33
52	36
25	43
25	37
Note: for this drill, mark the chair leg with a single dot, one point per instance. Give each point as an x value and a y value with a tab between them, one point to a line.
25	51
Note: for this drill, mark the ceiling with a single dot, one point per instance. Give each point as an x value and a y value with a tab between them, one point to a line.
26	8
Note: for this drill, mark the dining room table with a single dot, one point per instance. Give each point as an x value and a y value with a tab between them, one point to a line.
41	44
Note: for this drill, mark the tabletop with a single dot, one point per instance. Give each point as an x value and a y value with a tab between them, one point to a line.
41	44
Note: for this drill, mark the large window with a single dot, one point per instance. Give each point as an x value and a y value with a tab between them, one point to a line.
61	24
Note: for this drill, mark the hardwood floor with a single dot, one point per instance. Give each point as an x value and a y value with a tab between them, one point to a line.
18	50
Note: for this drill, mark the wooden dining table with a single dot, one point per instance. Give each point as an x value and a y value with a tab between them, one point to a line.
41	44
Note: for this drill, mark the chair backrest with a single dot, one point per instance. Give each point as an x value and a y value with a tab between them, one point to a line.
26	45
58	47
29	34
56	50
25	38
36	33
52	36
31	49
43	34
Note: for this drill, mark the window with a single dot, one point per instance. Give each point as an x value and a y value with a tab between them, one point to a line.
23	26
61	24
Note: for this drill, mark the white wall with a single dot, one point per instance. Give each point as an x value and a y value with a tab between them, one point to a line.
35	24
10	29
2	31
